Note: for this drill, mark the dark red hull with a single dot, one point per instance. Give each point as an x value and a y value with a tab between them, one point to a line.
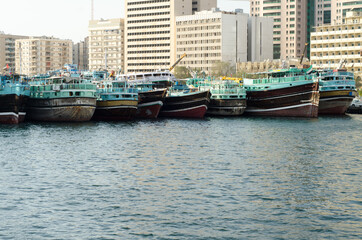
297	101
122	113
12	108
194	112
149	110
9	118
334	105
150	103
297	111
188	105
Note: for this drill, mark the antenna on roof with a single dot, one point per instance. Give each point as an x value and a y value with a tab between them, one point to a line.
92	13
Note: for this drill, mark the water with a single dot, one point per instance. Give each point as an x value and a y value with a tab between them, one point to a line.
238	178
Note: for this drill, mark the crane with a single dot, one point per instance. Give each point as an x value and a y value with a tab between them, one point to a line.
305	49
177	62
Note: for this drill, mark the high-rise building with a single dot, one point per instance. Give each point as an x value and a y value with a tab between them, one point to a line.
80	54
208	37
290	25
150	36
332	43
106	41
38	55
320	10
7	50
339	8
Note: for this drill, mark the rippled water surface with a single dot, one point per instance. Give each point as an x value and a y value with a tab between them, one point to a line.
238	178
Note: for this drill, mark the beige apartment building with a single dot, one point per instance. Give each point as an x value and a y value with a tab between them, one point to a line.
150	31
81	54
212	36
294	21
106	41
290	25
339	9
7	50
332	43
38	55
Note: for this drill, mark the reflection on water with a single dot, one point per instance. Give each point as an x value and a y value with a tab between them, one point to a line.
178	179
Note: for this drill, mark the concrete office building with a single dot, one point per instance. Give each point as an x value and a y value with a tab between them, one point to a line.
81	53
212	36
150	36
260	33
38	55
7	50
332	43
106	44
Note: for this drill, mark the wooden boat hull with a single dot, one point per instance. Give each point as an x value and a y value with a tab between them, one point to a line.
61	109
12	108
150	103
116	110
190	105
226	107
335	102
295	101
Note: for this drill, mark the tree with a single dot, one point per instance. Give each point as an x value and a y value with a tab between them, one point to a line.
223	69
181	72
358	82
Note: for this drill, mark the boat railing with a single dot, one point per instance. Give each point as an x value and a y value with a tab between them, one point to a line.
283	79
63	86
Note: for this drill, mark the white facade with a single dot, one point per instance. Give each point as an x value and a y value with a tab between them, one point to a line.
106	44
38	55
332	43
150	31
260	33
212	36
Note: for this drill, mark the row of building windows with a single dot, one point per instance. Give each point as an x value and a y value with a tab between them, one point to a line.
149	64
147	27
148	58
148	8
149	51
147	2
149	45
192	49
192	22
199	41
148	33
148	39
150	20
148	14
202	55
200	28
187	63
209	34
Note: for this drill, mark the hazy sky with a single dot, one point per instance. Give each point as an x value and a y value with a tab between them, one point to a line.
68	19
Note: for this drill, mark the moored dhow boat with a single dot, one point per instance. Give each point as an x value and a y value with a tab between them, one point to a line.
150	98
61	99
116	101
228	96
13	96
185	103
283	93
337	90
